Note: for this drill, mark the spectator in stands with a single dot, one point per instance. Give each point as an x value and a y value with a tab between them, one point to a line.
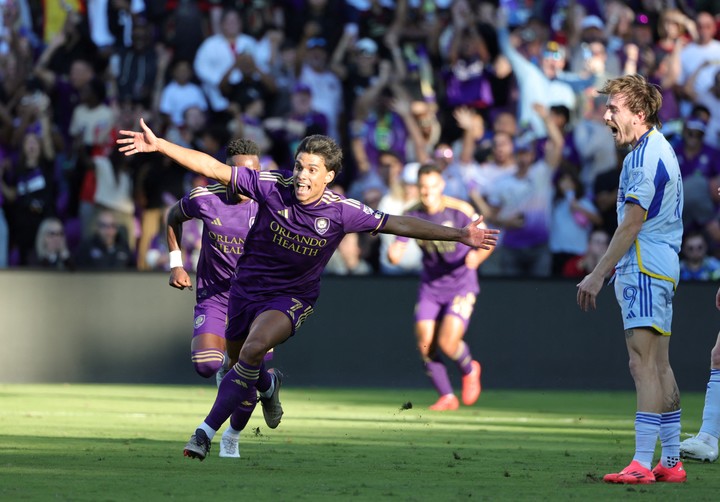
112	23
535	84
315	18
469	72
181	93
695	262
711	100
573	217
195	120
605	193
218	54
594	143
248	111
501	162
91	129
30	190
114	191
380	124
325	86
674	30
708	97
105	249
72	43
578	267
520	203
347	258
158	185
695	53
700	170
183	29
284	70
589	54
452	173
302	120
560	115
256	80
51	248
402	192
619	19
358	65
137	69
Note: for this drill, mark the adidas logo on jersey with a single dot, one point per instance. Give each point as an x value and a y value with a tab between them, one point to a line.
217	222
631	315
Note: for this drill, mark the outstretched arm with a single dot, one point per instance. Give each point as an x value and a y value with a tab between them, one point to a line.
472	235
179	277
192	160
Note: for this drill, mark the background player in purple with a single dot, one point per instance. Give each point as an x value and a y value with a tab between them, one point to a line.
448	289
299	224
226	220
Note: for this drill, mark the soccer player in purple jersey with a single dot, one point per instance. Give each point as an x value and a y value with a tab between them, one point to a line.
299	224
226	220
448	289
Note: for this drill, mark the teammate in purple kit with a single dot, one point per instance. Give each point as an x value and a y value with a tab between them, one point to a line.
226	220
298	226
448	289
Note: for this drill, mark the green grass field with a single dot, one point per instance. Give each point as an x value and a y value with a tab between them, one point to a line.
118	442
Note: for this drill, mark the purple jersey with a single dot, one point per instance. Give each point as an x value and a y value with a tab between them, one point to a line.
226	223
707	162
290	243
444	261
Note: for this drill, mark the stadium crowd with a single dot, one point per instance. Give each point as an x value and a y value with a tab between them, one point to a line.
467	84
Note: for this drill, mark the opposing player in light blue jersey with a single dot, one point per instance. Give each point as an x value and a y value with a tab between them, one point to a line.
447	292
299	225
644	253
704	445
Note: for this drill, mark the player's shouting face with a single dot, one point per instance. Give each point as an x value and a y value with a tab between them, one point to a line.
620	120
310	177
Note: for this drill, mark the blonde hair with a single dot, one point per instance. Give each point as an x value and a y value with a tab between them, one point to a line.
638	95
674	16
40	244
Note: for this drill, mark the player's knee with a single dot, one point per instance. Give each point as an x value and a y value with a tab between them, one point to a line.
207	362
642	369
253	351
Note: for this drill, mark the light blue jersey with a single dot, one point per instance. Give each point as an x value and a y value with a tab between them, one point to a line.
651	178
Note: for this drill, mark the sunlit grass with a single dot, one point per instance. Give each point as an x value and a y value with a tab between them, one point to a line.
119	442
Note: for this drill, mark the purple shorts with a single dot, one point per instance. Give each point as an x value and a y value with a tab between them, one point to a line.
210	317
242	313
429	308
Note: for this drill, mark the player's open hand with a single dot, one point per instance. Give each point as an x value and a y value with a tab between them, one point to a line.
477	235
138	142
588	290
180	279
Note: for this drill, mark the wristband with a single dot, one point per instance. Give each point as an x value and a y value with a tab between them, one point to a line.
176	259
